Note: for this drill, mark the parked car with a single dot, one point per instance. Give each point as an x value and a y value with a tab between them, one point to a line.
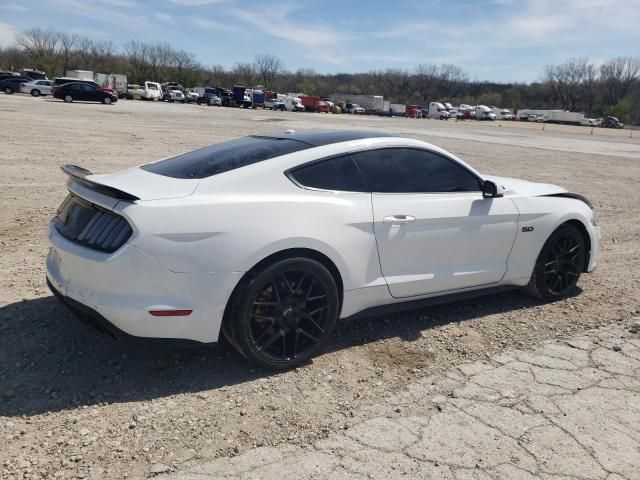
11	83
611	122
209	99
37	87
351	108
261	229
83	91
275	104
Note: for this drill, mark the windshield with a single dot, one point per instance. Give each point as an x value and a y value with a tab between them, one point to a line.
222	157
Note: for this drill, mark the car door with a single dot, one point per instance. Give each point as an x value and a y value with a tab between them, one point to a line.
434	230
44	86
91	93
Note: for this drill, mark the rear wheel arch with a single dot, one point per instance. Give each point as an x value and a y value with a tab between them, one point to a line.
227	326
290	253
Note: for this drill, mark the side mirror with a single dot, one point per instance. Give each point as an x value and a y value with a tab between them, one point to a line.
491	190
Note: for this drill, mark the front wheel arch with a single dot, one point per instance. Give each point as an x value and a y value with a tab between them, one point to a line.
587	239
537	286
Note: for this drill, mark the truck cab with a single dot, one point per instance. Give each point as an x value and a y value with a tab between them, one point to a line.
438	110
484	113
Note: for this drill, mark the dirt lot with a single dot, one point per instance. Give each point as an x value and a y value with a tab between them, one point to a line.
74	403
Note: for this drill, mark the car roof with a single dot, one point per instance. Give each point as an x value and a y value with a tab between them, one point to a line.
318	138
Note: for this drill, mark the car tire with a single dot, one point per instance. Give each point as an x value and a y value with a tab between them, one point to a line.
8	91
35	92
68	98
107	100
559	265
282	315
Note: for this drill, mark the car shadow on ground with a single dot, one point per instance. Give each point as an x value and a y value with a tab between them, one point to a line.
49	361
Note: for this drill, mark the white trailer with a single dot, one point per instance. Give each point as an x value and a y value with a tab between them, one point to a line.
437	110
397	108
527	113
114	81
386	106
371	103
566	118
80	74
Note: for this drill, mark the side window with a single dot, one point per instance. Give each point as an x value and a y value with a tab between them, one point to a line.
338	173
406	170
88	88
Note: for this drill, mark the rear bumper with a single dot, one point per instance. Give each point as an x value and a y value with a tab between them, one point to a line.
87	315
117	291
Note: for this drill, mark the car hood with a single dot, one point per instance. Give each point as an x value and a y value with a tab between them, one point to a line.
515	186
146	185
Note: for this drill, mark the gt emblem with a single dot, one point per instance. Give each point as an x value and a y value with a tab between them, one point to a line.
527	229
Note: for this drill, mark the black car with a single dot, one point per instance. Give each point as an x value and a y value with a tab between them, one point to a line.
11	83
206	98
83	91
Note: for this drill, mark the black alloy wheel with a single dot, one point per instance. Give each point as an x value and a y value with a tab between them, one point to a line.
559	264
286	313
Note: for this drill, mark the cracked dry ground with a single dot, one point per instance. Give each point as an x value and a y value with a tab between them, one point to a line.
567	410
74	404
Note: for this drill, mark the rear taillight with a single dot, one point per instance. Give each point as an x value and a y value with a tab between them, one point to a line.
91	226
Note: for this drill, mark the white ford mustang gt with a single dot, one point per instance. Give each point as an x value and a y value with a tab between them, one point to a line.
269	239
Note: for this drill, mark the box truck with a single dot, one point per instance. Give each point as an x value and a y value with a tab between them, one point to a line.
80	74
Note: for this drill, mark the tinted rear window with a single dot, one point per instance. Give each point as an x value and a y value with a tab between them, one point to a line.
225	156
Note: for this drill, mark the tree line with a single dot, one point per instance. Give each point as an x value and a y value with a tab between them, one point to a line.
609	88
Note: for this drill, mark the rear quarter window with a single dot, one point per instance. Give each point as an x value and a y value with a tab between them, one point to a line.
337	174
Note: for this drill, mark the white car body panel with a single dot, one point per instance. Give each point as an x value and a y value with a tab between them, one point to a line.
456	241
194	239
44	86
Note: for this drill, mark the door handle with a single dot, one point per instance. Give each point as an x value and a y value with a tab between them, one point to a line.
399	219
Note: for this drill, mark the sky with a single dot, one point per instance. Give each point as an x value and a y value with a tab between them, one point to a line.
496	40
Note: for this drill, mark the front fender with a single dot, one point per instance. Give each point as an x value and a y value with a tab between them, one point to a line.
539	218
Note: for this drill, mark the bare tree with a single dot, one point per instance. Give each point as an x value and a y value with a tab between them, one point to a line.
244	73
183	62
66	43
618	76
573	83
268	67
426	80
40	45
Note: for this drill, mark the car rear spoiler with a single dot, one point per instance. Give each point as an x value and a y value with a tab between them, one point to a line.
79	175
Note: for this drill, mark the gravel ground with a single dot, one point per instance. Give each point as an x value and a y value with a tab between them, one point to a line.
569	409
75	404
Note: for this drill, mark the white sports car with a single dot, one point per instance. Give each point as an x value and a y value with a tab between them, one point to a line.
269	239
